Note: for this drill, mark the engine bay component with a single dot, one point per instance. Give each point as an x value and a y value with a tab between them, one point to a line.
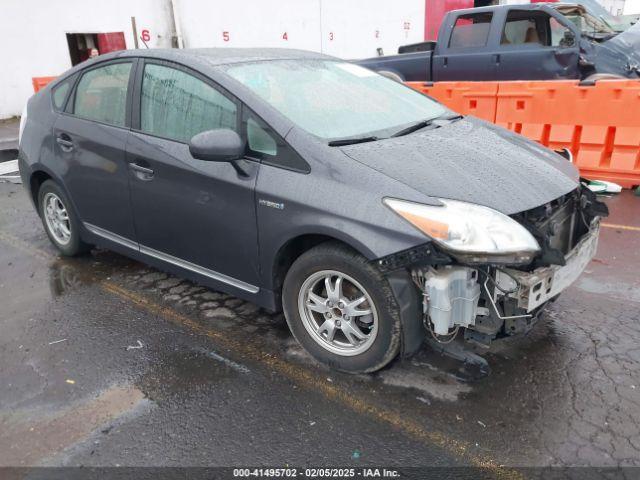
451	295
533	289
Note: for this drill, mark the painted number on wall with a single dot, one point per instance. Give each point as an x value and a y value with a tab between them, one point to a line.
377	34
225	36
145	35
331	36
285	36
407	25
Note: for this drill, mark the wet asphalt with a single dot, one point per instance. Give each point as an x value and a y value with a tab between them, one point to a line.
105	362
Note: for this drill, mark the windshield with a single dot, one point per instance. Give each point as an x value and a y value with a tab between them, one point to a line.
585	21
332	99
593	7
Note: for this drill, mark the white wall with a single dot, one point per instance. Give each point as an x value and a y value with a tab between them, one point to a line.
359	27
250	23
33	39
345	28
614	7
632	7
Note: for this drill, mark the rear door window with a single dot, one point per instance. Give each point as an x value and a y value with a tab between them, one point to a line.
177	105
101	94
471	30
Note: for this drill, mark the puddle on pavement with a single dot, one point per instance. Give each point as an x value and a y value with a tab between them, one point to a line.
436	384
69	274
429	374
181	373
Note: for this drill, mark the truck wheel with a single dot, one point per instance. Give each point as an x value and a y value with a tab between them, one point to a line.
340	308
59	220
391	75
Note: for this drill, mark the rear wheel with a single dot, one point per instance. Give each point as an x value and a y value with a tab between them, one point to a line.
59	220
341	309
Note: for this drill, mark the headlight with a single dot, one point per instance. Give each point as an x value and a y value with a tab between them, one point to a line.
471	233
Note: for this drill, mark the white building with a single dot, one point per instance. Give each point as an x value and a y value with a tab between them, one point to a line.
614	7
39	38
631	7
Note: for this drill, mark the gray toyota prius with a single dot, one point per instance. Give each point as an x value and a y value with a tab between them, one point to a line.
373	216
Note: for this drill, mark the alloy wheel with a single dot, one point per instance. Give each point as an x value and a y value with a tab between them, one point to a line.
338	313
57	218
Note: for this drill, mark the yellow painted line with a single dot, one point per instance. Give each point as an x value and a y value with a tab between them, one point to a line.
621	227
313	381
305	378
34	434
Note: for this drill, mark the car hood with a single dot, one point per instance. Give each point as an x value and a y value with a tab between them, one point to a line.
621	53
472	161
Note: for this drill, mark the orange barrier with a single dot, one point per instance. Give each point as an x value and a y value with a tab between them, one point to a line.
471	98
598	123
40	82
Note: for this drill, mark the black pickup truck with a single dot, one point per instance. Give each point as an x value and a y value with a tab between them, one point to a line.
541	41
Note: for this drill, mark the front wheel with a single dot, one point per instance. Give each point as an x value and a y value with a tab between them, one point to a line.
341	309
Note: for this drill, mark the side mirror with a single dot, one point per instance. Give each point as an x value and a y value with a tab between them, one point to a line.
221	145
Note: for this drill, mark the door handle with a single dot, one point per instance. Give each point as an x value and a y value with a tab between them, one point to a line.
143	173
496	58
65	142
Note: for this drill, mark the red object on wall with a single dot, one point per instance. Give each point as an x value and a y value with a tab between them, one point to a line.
111	42
435	10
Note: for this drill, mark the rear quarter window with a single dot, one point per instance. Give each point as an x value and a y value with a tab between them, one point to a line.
61	92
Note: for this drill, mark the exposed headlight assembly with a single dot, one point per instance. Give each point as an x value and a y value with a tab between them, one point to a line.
470	233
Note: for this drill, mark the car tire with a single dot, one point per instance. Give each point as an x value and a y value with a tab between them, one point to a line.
334	327
59	220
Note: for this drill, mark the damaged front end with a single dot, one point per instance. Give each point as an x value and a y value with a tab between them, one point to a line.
617	55
499	293
607	48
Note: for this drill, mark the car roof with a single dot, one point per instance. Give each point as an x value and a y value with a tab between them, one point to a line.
222	56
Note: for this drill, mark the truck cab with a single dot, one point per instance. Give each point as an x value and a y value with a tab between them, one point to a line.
541	41
532	42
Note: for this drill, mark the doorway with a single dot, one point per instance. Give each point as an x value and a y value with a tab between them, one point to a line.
82	45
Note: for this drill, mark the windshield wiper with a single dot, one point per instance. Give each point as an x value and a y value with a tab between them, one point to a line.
426	123
412	128
351	141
